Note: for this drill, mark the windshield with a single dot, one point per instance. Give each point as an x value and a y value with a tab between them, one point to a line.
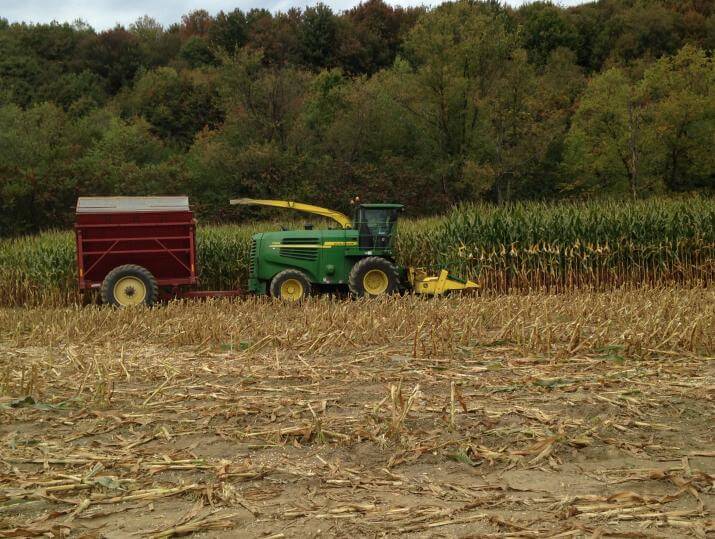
379	221
376	226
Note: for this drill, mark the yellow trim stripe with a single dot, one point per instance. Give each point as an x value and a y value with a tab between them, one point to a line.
340	243
326	245
297	246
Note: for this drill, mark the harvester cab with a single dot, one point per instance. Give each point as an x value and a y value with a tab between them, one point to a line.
376	225
357	256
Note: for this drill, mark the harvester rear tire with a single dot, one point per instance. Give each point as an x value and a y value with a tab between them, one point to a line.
380	271
290	285
129	285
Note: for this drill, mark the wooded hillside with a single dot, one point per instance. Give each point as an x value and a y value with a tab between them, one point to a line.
466	101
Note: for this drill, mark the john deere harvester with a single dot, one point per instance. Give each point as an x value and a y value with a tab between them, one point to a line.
356	255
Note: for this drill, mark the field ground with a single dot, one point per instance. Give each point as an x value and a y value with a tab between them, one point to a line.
574	415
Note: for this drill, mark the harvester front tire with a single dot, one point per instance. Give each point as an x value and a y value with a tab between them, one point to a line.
290	285
129	285
373	276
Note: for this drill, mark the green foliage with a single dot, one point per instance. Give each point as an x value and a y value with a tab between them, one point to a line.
217	172
115	55
545	28
457	52
196	52
326	99
372	34
648	134
176	104
605	149
125	160
466	101
229	31
157	46
37	165
682	113
318	37
647	29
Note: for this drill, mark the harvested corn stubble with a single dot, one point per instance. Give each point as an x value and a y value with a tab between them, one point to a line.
534	415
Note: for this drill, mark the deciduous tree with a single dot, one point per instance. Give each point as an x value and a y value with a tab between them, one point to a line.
610	146
681	113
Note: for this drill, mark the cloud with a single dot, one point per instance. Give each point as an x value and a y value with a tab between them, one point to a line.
103	14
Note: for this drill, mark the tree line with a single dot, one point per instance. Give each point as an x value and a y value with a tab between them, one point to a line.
470	100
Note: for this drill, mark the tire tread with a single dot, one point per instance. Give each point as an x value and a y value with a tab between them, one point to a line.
365	264
108	296
297	274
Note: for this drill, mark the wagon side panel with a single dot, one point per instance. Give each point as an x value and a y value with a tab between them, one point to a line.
162	242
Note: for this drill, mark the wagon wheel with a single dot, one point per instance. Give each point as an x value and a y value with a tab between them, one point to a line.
129	285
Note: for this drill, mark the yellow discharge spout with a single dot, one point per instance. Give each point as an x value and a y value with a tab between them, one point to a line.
340	218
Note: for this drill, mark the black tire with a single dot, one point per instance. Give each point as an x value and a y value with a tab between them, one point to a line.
366	265
129	271
277	285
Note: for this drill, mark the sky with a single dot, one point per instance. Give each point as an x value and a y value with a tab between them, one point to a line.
103	14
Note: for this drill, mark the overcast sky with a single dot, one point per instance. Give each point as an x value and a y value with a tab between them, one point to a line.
102	14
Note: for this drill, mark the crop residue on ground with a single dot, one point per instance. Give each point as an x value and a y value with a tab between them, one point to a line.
573	415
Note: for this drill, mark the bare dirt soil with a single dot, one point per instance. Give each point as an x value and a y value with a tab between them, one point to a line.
556	419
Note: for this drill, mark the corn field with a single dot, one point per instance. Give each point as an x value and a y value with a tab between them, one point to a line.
565	246
530	246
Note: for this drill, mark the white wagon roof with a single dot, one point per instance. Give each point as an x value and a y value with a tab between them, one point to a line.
131	204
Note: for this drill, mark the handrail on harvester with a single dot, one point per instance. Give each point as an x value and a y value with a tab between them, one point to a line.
340	218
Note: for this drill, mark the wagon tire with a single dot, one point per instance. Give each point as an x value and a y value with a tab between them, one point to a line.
290	285
373	276
129	285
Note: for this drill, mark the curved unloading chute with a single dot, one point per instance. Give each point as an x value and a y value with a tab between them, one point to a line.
343	220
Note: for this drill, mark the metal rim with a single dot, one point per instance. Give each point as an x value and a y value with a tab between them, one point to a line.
130	291
291	289
375	282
